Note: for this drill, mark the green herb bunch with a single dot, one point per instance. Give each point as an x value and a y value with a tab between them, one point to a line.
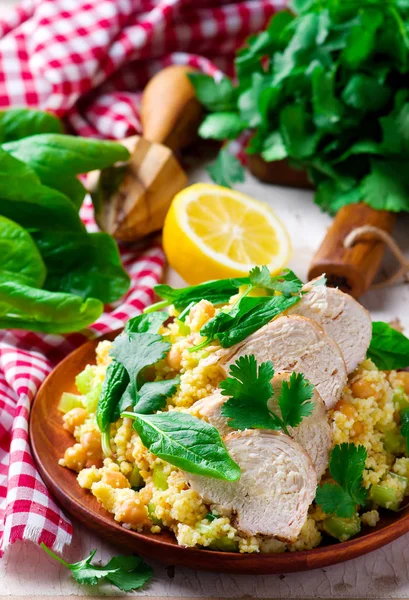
54	275
327	89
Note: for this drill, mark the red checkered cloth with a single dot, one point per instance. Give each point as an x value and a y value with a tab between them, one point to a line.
88	62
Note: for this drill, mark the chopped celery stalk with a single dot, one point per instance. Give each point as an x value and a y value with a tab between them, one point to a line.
92	397
183	328
342	529
401	399
384	496
135	479
394	442
151	514
69	401
85	379
160	480
224	544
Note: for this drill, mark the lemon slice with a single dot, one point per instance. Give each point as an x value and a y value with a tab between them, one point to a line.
212	232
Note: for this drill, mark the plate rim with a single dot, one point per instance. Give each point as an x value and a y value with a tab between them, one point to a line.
153	546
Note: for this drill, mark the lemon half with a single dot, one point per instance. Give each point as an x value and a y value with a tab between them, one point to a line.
212	232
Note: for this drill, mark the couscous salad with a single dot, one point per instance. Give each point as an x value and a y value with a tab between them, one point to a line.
247	415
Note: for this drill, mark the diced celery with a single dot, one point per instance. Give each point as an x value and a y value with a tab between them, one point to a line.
342	529
160	480
224	544
85	379
400	398
183	328
394	442
92	397
135	479
384	496
69	401
151	514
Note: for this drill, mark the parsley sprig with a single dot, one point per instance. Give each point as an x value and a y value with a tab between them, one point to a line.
346	465
250	390
125	572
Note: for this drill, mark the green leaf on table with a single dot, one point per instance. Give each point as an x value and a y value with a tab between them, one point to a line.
389	348
274	147
299	138
347	464
221	126
226	169
127	573
187	443
20	258
17	123
215	96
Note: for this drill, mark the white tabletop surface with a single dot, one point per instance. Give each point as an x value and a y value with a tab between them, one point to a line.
27	572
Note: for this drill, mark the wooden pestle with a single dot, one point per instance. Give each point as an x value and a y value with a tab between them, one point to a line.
352	269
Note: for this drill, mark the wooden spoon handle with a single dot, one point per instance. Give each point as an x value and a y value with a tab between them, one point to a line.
351	269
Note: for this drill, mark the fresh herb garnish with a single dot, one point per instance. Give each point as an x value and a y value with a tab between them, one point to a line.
286	283
186	442
124	385
404	428
325	88
226	169
127	573
346	465
389	348
249	389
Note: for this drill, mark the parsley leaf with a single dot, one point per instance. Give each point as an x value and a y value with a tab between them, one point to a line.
214	96
250	390
249	387
221	126
294	399
226	169
404	429
125	572
286	282
389	348
347	464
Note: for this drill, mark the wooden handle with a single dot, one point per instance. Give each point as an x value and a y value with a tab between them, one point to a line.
351	269
170	112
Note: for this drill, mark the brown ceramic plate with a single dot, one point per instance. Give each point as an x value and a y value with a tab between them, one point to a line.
49	441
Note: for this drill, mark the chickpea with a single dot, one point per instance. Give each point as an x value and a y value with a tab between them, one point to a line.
363	389
91	440
115	479
402	380
358	428
73	418
174	358
94	461
347	409
75	457
132	511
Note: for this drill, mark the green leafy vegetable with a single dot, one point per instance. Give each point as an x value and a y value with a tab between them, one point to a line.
287	283
249	389
187	443
127	573
226	170
17	123
20	258
404	418
389	349
327	90
347	463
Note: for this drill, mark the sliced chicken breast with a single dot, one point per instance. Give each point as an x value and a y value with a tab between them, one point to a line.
276	487
342	318
314	433
298	344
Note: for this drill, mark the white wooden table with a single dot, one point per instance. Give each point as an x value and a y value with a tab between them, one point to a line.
26	571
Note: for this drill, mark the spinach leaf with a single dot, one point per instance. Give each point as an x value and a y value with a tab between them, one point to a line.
389	349
25	307
87	264
20	258
17	123
187	443
217	292
48	153
153	395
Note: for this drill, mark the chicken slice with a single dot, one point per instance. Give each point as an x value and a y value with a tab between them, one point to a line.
342	318
314	433
276	487
293	343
